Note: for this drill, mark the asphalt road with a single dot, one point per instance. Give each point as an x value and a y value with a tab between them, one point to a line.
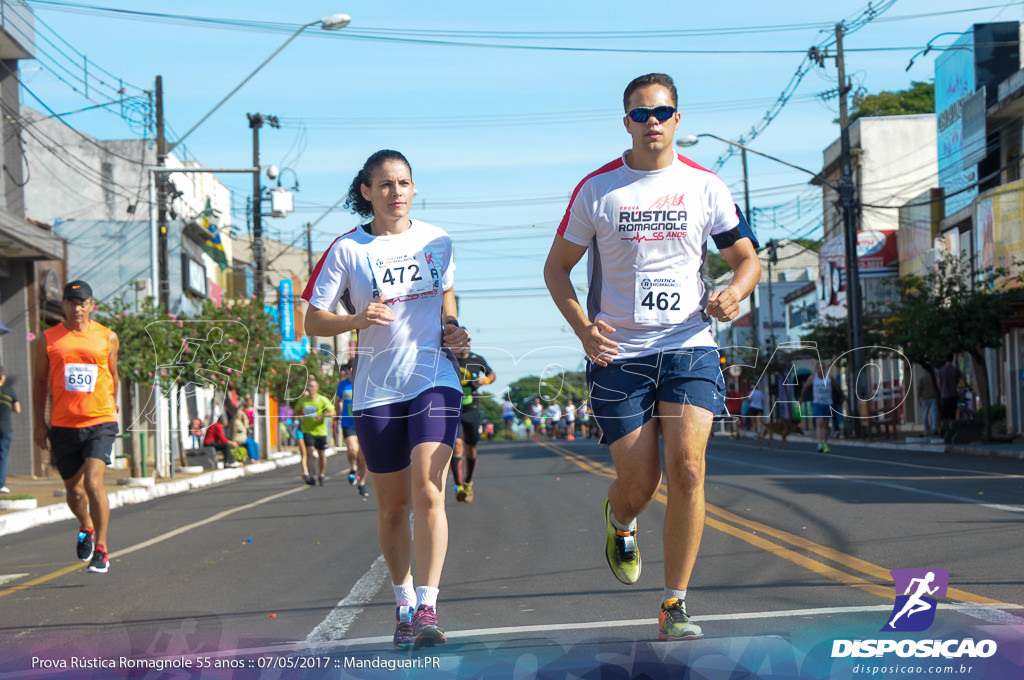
285	580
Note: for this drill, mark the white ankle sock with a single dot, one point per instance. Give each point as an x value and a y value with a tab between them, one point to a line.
618	525
678	594
425	595
405	594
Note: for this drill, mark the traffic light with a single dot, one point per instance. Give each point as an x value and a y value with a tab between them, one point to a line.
722	361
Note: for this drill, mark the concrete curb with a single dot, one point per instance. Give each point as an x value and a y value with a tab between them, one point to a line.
15	522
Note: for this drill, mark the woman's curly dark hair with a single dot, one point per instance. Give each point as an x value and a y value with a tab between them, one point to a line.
355	201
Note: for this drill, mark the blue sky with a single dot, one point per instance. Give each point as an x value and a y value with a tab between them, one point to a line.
497	137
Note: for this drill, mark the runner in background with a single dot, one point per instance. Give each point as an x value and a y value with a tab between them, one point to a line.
343	407
508	416
474	372
76	362
315	410
537	418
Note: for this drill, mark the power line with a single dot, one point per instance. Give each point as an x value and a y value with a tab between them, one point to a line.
805	66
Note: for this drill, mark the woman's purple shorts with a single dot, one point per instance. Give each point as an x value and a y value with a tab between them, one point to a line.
387	434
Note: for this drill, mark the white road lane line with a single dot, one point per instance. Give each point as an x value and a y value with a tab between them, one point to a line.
989	614
894	463
856	479
337	623
7	578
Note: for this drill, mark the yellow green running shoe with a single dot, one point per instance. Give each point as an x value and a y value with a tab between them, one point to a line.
674	624
621	550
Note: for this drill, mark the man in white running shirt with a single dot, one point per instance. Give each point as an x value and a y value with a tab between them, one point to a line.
645	219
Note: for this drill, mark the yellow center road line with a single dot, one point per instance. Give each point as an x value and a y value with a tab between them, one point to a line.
745	526
145	544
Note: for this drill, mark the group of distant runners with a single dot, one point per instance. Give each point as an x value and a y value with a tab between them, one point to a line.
652	364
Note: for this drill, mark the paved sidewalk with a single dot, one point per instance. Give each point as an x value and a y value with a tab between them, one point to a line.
911	441
52	507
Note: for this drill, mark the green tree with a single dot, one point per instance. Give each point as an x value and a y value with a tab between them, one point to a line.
560	387
918	98
947	312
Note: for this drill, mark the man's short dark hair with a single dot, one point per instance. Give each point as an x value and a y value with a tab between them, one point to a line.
647	80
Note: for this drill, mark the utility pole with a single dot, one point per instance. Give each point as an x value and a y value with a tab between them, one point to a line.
854	306
309	264
309	248
755	322
256	122
772	259
161	282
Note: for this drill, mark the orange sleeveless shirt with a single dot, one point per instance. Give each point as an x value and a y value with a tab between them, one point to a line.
80	380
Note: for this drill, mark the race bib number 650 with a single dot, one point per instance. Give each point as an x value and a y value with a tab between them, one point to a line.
80	377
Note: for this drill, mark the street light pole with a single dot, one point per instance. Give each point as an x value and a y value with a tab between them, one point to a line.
161	284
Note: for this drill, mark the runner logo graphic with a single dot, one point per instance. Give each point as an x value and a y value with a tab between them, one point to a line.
916	590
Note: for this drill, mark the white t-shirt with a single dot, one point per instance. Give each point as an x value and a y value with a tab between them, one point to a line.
507	409
536	411
757	398
554	412
570	413
396	362
647	233
822	390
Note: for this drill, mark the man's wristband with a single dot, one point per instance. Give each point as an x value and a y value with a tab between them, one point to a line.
452	322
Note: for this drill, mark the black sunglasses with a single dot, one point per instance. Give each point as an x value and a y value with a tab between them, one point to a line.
641	113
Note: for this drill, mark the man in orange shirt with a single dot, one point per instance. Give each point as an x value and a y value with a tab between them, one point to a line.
76	362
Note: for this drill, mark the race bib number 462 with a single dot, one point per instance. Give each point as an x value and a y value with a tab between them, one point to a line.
665	298
80	377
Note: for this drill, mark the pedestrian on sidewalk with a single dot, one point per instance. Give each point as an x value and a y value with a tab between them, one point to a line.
395	277
76	362
928	391
950	378
652	363
218	439
826	397
8	404
755	408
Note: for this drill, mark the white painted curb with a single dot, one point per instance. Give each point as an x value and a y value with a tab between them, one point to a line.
21	520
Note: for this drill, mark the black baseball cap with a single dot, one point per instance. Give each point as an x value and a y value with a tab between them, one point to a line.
77	289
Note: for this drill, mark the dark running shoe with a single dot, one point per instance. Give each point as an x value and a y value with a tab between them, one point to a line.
363	492
309	480
321	480
86	538
426	632
674	624
403	629
100	562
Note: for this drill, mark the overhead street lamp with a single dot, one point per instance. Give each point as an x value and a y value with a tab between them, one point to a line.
328	23
332	22
691	140
845	191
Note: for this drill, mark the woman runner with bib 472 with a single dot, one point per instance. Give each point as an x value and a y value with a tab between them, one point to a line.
395	278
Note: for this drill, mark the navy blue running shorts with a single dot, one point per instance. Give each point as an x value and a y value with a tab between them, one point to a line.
72	445
623	393
388	434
